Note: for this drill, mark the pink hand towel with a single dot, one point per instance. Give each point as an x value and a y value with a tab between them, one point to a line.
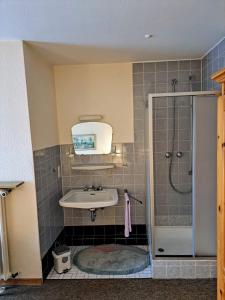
127	217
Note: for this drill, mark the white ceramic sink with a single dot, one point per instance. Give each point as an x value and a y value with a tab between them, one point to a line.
89	199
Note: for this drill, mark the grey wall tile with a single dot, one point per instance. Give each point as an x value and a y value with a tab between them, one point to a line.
196	64
131	177
174	211
203	271
138	68
159	272
173	272
49	191
150	67
172	75
137	78
211	63
161	77
184	65
172	65
147	78
187	269
161	88
161	66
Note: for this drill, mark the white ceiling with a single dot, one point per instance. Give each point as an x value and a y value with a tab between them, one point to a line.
99	31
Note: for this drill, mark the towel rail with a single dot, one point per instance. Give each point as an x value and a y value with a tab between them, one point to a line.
132	197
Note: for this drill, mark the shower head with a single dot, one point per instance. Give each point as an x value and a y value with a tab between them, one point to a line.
174	82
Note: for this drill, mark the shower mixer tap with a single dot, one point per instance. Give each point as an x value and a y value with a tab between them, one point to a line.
179	154
168	154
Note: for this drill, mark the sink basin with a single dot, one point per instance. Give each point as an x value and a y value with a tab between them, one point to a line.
89	199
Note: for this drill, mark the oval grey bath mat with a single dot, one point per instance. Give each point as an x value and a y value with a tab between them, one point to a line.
112	259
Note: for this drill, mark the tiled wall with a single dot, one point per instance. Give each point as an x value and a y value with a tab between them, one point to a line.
212	62
172	268
104	234
171	208
156	77
131	176
147	78
49	191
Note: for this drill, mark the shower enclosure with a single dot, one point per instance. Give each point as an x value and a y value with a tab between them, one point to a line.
181	173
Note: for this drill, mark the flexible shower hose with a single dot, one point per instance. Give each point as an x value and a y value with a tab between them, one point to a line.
174	81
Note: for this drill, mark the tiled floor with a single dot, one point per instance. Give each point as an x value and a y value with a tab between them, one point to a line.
75	273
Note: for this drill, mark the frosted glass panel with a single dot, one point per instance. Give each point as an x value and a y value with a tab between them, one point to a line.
204	172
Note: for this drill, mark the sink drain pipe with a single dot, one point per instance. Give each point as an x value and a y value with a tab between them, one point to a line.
93	214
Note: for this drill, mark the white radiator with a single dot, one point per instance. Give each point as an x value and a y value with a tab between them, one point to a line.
5	188
5	272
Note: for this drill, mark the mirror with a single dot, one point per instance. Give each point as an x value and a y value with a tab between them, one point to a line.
92	138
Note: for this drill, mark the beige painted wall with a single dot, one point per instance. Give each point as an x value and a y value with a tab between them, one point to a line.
104	89
41	98
16	163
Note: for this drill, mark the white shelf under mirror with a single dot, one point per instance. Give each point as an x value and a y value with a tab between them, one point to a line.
90	167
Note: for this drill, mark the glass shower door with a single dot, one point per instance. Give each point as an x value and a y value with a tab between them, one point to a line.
204	175
182	164
172	157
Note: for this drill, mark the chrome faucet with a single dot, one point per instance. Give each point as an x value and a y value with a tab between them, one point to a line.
93	188
85	188
99	188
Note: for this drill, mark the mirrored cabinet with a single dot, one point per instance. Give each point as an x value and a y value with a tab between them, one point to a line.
92	138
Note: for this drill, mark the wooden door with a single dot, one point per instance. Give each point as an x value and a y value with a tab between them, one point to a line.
220	78
220	199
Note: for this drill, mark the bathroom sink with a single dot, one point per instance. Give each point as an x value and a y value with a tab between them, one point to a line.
89	199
